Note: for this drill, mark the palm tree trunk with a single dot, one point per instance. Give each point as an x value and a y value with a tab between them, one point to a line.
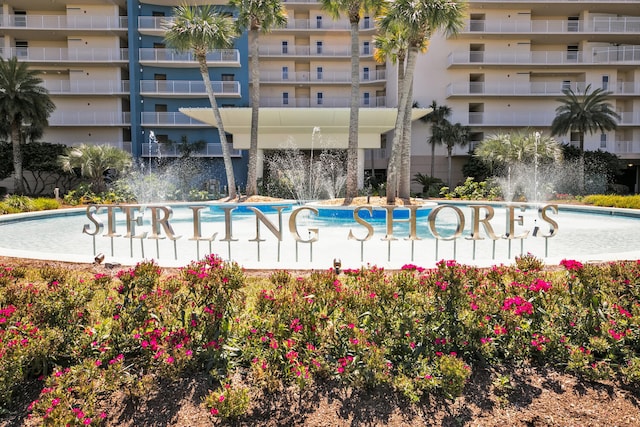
16	143
228	166
404	187
252	174
433	157
449	150
396	149
352	150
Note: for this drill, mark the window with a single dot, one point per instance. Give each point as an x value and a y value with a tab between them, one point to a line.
285	47
318	21
603	140
285	73
227	77
574	23
285	98
366	48
605	82
319	73
20	18
365	73
319	97
366	98
366	22
22	48
572	53
566	84
319	48
161	108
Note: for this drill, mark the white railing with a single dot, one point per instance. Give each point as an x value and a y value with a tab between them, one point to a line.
319	77
89	118
63	22
627	147
501	89
222	56
49	54
623	24
597	56
170	119
173	150
188	87
629	118
325	102
524	118
324	24
82	87
328	51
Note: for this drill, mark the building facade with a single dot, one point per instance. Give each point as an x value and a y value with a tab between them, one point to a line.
114	81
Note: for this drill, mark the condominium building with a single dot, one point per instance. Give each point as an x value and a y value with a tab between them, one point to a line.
114	81
508	67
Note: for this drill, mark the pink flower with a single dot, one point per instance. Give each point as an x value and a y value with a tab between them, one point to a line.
571	265
221	398
214	411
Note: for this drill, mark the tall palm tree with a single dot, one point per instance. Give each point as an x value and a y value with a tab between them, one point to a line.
256	16
421	19
25	107
451	135
94	161
436	116
354	9
518	147
584	112
201	29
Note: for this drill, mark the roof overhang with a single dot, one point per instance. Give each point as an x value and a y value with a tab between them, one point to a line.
282	127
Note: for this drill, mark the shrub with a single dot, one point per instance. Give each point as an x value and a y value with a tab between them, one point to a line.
45	203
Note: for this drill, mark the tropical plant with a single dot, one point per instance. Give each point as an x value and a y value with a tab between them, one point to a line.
25	107
421	20
518	147
436	116
354	10
451	135
256	16
429	184
201	29
94	161
584	112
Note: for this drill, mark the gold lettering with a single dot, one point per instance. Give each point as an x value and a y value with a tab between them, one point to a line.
158	220
512	220
228	225
432	222
476	220
111	221
92	210
197	230
133	218
361	221
542	213
293	226
262	218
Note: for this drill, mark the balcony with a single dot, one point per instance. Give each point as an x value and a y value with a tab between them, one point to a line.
123	145
86	87
170	119
524	118
623	148
342	77
326	24
605	55
533	88
334	51
63	22
89	118
329	102
173	150
188	89
171	58
628	25
54	55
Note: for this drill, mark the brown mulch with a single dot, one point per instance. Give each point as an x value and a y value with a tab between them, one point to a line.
535	397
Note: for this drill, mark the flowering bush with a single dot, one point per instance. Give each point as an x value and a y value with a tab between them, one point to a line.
418	331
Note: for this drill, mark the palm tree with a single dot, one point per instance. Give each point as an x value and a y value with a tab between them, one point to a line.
354	10
438	114
585	112
256	16
94	161
451	135
421	20
202	29
518	147
25	107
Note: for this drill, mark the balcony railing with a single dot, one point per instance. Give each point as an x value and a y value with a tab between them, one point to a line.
63	22
328	102
324	51
524	118
89	118
533	88
324	25
173	150
123	145
223	57
627	147
597	56
170	119
194	88
86	87
343	77
628	24
55	54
